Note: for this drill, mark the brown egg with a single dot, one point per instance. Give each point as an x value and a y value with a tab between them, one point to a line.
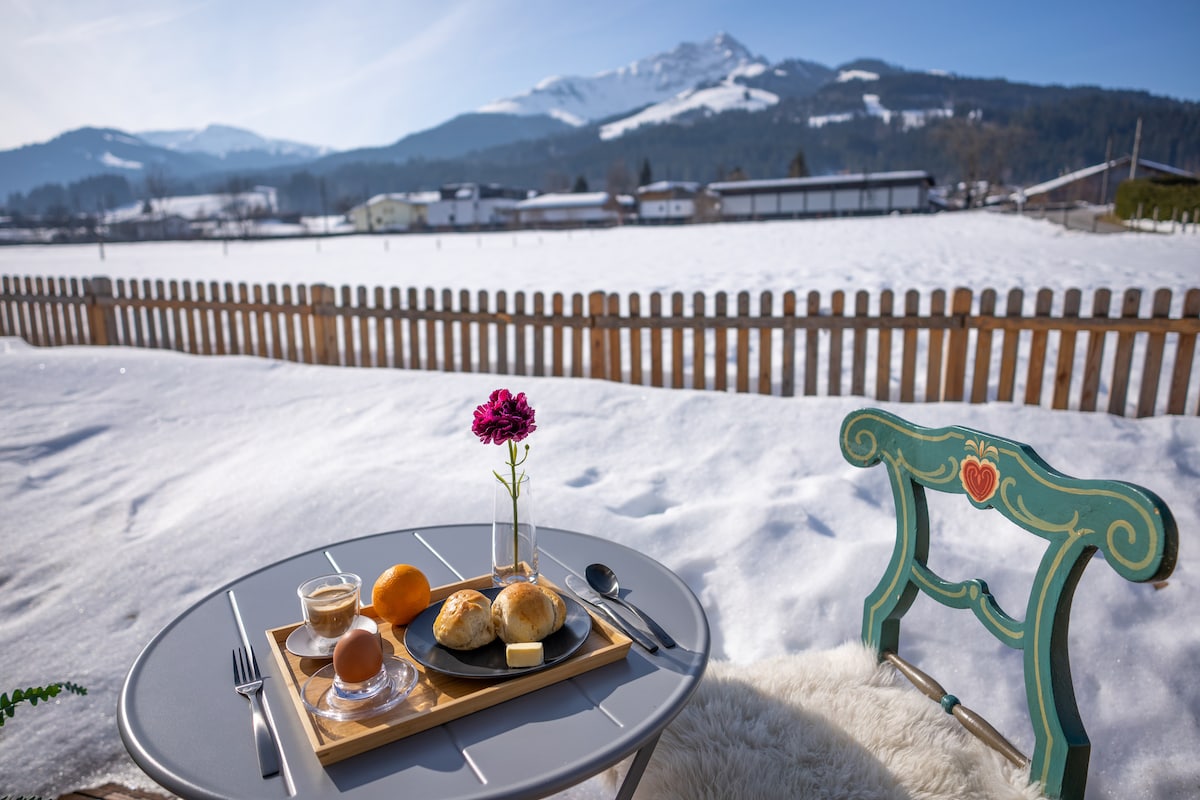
357	656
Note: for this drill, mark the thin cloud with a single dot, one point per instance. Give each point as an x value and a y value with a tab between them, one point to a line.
104	27
423	47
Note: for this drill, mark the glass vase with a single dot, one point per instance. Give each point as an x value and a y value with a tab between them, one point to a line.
514	534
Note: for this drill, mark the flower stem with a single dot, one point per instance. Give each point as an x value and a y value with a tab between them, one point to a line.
515	491
512	485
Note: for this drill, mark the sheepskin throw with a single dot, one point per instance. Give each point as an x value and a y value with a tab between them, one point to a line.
829	724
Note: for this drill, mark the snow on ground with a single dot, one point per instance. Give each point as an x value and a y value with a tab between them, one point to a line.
911	252
133	482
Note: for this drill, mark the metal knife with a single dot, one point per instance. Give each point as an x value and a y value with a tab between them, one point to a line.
580	589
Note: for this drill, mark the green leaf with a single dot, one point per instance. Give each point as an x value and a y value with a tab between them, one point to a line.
34	694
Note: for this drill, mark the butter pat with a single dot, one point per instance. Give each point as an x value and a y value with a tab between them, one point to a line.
524	654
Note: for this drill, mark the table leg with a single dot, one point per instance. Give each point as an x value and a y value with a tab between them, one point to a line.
634	776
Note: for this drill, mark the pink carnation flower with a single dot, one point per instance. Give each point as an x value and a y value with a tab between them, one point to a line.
503	418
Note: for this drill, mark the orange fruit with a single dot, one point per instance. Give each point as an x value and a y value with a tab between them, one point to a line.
400	593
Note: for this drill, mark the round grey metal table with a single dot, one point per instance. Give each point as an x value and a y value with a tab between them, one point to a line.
185	726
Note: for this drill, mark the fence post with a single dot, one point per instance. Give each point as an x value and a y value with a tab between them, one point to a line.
102	315
595	315
615	373
956	352
316	295
324	323
1123	359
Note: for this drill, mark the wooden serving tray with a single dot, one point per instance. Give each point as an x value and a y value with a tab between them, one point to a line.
436	698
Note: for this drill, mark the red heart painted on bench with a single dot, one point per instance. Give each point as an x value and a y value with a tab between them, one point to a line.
979	478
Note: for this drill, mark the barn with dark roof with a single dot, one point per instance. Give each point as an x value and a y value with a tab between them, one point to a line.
825	196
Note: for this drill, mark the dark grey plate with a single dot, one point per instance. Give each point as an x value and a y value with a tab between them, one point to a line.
489	661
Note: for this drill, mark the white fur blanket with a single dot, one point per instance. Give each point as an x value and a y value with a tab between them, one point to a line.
825	724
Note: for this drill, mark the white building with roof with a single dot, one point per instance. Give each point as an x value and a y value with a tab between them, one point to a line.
467	206
392	212
574	208
667	201
261	201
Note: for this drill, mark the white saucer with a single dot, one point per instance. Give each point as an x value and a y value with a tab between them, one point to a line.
300	643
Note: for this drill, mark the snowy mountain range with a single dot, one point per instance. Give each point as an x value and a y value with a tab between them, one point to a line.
693	80
690	81
87	152
700	104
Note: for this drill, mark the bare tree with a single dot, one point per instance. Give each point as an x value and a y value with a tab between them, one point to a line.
708	207
556	181
619	180
157	191
237	207
981	150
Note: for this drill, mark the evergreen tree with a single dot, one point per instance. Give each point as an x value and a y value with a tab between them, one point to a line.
581	185
798	167
645	176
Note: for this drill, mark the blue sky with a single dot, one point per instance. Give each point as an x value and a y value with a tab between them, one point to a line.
351	73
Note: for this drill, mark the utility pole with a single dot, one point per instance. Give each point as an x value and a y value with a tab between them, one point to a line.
1137	143
324	204
1107	165
99	224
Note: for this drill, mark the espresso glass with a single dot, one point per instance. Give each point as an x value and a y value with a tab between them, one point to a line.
330	604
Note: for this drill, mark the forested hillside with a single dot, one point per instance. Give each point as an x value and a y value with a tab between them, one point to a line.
956	128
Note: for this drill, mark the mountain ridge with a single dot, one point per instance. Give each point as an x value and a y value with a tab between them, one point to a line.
553	106
736	112
579	100
224	140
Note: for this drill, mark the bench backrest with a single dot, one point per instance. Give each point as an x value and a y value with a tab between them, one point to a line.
1131	526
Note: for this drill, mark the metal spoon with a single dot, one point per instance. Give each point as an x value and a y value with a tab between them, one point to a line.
604	581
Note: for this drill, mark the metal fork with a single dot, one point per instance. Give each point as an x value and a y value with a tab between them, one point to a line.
248	682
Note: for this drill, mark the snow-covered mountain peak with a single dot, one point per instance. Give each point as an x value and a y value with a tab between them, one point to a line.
578	100
222	140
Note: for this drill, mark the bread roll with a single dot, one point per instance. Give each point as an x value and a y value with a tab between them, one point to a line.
560	608
525	612
465	621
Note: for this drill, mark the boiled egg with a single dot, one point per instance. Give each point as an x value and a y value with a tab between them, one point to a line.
357	656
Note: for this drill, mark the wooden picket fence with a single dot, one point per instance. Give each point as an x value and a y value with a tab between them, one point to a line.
950	346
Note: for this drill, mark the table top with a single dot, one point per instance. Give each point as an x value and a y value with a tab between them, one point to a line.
185	726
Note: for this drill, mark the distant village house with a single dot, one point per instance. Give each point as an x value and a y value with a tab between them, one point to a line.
393	212
472	206
668	201
574	209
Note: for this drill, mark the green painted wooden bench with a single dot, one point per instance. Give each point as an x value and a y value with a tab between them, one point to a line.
1131	526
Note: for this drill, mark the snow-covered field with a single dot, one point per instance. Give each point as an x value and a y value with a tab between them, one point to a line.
188	471
933	252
